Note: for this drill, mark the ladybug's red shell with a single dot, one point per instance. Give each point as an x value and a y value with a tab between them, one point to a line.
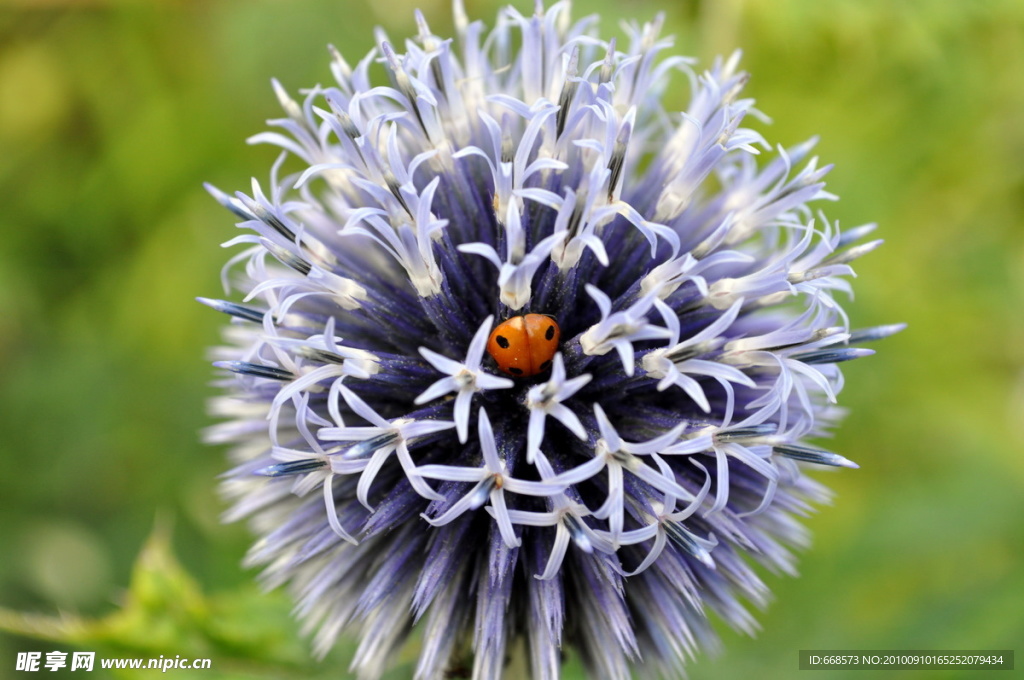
524	345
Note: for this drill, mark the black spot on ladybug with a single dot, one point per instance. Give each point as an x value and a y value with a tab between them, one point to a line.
502	341
547	364
515	371
549	334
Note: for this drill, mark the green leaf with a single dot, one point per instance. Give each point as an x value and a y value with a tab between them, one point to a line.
246	633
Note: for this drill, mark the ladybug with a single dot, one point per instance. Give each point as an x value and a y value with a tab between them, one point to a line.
524	345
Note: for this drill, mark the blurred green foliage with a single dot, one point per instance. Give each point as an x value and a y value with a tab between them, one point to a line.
111	116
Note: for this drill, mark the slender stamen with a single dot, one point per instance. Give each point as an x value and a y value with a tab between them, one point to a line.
257	370
294	467
235	309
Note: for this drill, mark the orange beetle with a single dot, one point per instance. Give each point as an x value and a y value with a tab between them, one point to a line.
524	345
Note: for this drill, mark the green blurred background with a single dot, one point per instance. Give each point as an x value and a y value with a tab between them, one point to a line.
113	114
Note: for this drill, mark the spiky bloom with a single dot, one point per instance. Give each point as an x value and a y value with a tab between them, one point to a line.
607	505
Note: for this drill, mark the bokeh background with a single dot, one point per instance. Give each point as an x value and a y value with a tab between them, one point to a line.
112	115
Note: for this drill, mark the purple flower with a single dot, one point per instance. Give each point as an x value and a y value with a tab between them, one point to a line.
398	481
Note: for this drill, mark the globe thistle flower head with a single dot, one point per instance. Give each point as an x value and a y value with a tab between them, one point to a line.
401	478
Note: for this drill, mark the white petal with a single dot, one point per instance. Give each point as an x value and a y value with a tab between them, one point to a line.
625	351
418	483
580	473
362	408
542	196
698	444
438	389
308	380
422	428
565	416
722	493
658	443
661	482
557	554
597	246
656	549
671	321
462	403
533	519
487	444
608	433
616	489
541	489
716	370
721	323
571	387
452	473
761	464
604	303
483	250
332	511
634	536
350	434
698	500
694	391
557	370
769	495
486	381
534	434
500	514
458	508
476	348
369	473
611	502
441	362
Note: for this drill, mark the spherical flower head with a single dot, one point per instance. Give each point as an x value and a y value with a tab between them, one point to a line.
609	499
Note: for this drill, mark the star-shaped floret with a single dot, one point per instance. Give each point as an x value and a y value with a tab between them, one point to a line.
338	362
566	516
546	400
620	330
514	279
749	444
492	481
465	378
668	523
376	443
617	455
674	362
